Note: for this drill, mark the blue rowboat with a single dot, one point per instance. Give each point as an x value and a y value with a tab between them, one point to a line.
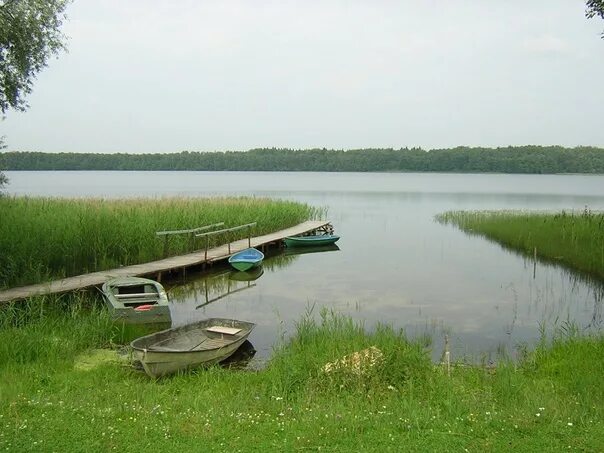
311	241
246	259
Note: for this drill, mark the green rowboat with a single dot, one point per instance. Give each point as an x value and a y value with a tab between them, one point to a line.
311	241
136	300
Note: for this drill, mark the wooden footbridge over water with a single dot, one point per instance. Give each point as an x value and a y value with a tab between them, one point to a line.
156	268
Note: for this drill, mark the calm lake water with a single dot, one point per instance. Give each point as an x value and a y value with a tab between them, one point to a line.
395	264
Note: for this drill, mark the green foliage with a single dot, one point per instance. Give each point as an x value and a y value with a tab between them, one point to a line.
573	239
50	329
43	238
522	159
595	8
3	177
3	181
29	36
299	363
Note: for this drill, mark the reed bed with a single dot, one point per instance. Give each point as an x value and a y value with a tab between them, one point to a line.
45	238
59	393
575	239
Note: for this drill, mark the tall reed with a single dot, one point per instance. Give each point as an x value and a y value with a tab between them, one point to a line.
575	239
43	238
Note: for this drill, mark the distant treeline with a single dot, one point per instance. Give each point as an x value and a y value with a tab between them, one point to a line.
520	159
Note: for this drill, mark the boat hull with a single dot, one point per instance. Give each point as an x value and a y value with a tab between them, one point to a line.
157	314
311	241
244	265
198	344
246	259
136	300
158	364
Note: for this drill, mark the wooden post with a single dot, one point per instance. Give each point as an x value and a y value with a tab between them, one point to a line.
166	246
207	244
447	356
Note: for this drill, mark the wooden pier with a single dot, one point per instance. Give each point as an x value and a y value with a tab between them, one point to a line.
155	268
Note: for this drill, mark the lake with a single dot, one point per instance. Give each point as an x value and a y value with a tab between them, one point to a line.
394	265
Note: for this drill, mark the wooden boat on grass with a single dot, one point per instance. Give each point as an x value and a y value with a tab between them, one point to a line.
202	343
311	241
136	300
246	259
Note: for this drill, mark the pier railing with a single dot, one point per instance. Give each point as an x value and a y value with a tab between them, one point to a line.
226	231
191	232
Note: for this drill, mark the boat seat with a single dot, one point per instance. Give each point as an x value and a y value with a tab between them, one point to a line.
222	329
133	295
139	301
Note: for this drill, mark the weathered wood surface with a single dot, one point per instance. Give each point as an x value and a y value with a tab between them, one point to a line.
155	267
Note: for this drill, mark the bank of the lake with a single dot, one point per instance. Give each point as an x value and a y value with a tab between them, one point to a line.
575	239
511	159
43	238
65	388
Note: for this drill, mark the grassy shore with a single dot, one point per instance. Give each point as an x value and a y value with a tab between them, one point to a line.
43	238
573	239
64	389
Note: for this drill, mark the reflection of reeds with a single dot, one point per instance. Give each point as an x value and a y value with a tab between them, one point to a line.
573	239
44	238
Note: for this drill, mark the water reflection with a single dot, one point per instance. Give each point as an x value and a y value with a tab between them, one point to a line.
247	276
490	319
213	286
315	249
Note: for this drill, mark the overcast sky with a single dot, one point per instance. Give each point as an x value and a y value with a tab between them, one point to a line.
159	76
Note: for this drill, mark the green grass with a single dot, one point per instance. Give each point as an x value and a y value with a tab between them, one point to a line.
573	239
44	238
553	400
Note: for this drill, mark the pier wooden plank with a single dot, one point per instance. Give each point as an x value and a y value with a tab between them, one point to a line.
155	267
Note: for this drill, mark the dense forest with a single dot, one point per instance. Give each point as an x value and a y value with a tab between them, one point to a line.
520	159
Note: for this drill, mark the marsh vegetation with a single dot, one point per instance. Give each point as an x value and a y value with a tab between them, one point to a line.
575	239
44	238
